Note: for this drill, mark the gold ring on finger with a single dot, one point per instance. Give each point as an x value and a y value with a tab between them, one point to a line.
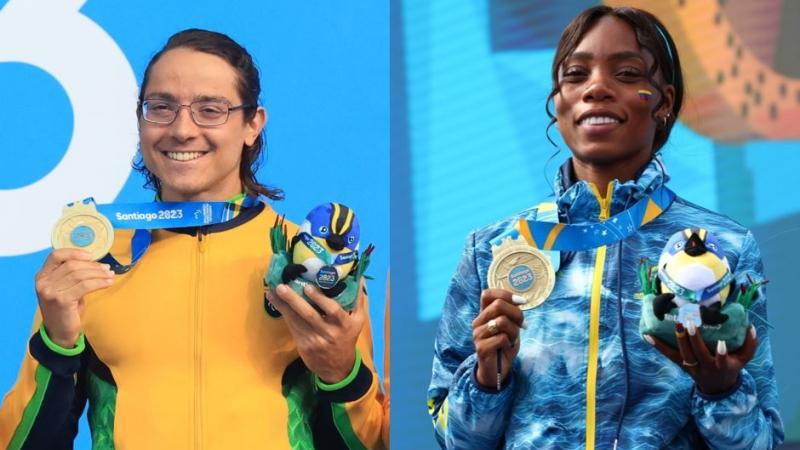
492	327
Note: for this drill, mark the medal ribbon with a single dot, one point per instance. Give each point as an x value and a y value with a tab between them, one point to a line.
585	236
156	215
692	295
323	254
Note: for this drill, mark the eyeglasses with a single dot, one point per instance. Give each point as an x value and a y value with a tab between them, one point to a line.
206	113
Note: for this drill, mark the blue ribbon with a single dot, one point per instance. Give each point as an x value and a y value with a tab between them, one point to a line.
157	215
143	217
586	236
695	296
323	254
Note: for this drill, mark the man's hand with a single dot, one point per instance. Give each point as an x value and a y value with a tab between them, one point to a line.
326	340
66	277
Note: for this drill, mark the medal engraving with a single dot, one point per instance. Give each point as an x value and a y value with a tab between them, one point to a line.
523	270
327	277
82	227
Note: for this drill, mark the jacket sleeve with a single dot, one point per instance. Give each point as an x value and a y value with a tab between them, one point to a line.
465	415
747	416
350	413
42	409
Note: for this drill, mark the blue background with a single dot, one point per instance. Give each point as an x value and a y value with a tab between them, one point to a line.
469	84
325	84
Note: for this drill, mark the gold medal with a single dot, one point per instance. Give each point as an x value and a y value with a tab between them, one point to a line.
523	270
82	227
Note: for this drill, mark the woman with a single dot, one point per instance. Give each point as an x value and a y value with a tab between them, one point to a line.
574	372
179	352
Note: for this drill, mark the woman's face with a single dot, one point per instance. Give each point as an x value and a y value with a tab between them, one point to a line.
600	113
194	162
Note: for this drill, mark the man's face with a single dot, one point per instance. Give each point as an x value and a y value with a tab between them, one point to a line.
195	162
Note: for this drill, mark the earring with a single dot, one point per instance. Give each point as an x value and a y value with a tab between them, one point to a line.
665	120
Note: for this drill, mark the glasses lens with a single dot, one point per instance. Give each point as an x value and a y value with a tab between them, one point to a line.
209	113
159	111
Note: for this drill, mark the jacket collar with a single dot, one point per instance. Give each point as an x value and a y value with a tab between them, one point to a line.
578	201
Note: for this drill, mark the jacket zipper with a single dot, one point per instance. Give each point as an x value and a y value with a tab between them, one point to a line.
594	319
197	332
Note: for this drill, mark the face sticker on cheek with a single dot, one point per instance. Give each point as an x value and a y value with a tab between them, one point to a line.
645	94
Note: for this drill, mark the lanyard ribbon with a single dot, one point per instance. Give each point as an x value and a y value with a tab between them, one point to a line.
323	254
585	236
156	215
692	295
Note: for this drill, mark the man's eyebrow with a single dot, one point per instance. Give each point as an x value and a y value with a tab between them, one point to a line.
587	56
160	96
211	98
171	98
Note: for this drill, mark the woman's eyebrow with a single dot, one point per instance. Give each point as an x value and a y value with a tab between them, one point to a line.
616	56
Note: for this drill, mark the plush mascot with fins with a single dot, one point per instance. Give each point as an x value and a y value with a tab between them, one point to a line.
324	252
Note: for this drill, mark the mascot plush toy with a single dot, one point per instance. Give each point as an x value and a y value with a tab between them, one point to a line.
695	278
692	283
324	252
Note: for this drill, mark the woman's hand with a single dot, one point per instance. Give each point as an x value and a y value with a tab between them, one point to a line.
326	341
713	374
66	277
499	307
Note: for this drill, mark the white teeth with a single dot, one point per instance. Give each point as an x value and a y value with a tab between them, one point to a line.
184	156
598	120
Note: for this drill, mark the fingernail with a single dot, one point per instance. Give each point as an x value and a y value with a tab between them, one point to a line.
649	339
753	331
691	329
722	348
524	325
308	289
281	289
518	299
107	266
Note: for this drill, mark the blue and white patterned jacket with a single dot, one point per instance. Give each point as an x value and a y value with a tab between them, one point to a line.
584	378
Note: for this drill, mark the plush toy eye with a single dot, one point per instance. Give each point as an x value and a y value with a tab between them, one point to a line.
351	239
678	245
323	229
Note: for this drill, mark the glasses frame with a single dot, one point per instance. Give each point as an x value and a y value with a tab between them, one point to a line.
191	111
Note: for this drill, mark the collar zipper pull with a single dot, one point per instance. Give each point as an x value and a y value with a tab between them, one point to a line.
201	240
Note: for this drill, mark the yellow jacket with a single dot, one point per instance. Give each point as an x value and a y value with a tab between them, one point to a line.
182	354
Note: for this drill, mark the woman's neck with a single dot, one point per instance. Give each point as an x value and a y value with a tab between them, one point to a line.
602	174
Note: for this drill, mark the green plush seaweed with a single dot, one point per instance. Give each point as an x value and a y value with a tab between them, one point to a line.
280	259
732	331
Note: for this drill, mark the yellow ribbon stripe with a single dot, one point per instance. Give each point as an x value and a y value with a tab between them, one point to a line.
522	227
651	212
552	236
